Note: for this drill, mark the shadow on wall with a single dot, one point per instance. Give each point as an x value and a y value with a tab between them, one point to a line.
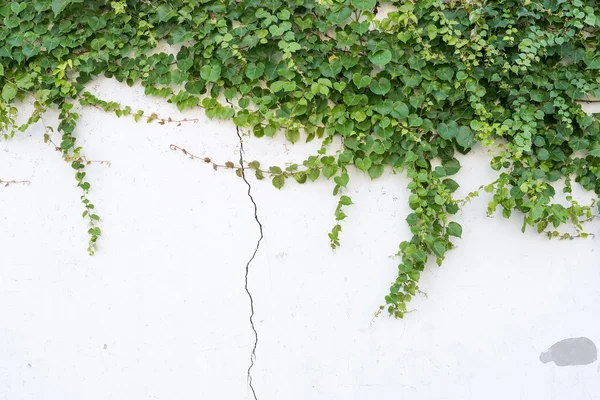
572	351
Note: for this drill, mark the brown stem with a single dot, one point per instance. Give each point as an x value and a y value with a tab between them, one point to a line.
13	182
228	164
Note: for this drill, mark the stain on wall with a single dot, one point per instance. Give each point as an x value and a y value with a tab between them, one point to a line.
572	351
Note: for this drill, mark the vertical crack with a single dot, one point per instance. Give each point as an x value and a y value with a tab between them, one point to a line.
260	228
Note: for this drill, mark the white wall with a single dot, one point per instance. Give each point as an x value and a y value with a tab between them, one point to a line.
161	312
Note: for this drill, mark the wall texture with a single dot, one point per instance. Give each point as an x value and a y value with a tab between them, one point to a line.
161	311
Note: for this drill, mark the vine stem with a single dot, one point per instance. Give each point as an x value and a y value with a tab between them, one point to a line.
82	160
207	160
13	182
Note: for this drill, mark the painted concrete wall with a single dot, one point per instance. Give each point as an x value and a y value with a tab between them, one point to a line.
161	311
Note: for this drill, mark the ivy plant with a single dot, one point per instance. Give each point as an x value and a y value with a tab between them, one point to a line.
407	85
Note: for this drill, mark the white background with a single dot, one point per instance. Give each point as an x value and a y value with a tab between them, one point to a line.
161	312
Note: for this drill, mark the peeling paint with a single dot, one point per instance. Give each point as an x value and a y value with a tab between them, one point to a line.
572	351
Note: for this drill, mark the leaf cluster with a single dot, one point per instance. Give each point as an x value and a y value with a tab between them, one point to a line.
408	89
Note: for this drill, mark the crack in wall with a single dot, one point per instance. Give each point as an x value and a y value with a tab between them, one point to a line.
260	227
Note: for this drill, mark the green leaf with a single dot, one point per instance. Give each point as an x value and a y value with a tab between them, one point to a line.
300	177
330	170
96	23
342	180
364	4
400	110
465	137
254	71
293	135
445	73
536	212
451	166
210	73
432	31
278	181
345	201
346	128
361	81
381	57
444	131
351	99
59	5
376	171
592	60
454	229
543	154
331	69
363	164
163	12
185	64
9	91
340	16
414	120
439	248
380	86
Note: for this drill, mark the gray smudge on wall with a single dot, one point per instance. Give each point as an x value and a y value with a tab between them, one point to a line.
573	351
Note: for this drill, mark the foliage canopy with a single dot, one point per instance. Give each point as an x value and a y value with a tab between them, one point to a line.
407	88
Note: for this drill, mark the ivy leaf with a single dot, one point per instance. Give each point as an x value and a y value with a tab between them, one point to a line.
445	73
465	137
361	81
210	73
400	110
536	212
451	166
339	86
432	31
254	71
345	201
363	164
454	229
360	27
345	128
439	248
278	181
381	57
592	60
351	99
380	86
414	120
376	171
59	5
185	64
543	154
96	23
163	12
331	69
339	16
330	170
449	131
9	91
293	135
364	4
300	177
342	180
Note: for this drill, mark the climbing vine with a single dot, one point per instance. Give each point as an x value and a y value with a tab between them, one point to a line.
407	85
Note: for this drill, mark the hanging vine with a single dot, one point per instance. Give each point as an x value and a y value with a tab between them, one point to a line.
407	88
